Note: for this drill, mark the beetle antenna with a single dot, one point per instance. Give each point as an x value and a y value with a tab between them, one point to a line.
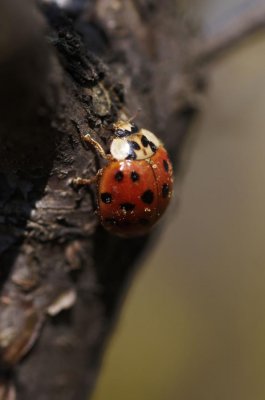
134	115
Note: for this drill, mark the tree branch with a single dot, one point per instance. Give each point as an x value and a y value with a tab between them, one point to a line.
62	276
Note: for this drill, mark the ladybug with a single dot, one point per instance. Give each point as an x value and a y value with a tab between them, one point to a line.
135	186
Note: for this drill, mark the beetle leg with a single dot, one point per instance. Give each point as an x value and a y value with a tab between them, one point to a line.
84	182
87	138
78	182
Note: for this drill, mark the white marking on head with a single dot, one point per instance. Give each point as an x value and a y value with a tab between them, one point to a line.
123	125
120	148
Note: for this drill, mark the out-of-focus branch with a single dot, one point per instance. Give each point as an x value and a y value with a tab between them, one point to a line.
239	29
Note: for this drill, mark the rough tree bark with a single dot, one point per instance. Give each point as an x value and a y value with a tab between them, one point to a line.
62	276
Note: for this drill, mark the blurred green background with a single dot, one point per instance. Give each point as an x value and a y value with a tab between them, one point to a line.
193	324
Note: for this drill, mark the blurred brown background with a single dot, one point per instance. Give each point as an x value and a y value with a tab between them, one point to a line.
193	324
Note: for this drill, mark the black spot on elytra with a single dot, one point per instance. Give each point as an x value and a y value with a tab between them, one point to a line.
135	176
127	206
106	198
166	166
148	196
145	141
144	221
135	145
165	190
119	176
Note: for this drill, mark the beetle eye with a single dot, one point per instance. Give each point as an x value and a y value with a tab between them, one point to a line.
134	128
124	128
121	132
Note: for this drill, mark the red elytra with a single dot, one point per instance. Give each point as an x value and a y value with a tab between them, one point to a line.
133	194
